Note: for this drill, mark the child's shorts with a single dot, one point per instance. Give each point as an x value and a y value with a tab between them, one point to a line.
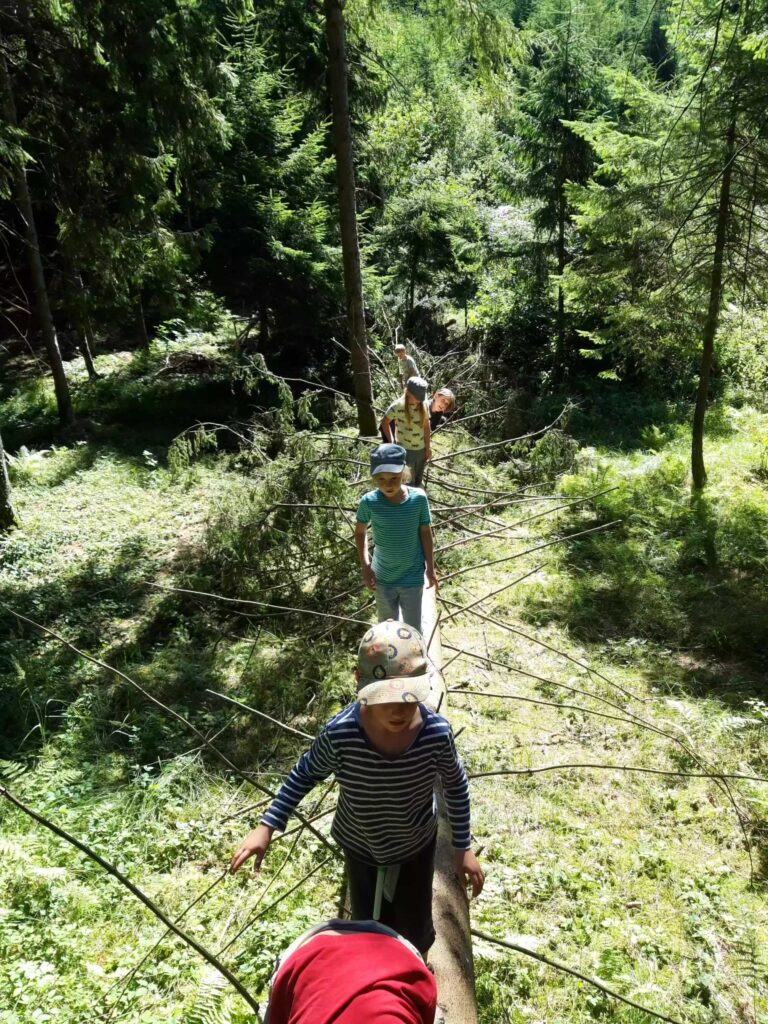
410	911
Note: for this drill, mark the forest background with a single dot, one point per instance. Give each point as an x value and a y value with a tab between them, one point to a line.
560	204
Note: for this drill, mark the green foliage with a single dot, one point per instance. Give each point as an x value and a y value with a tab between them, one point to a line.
676	571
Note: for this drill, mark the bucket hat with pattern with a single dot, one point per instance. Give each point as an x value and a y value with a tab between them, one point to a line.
393	666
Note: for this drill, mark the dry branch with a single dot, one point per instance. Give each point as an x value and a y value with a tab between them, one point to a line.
260	604
521	522
618	768
261	714
570	970
276	902
528	551
493	593
545	703
139	894
245	776
126	979
509	440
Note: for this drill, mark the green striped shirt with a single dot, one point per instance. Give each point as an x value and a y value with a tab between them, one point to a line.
398	557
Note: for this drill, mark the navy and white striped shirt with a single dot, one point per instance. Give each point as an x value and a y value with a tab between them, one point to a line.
386	810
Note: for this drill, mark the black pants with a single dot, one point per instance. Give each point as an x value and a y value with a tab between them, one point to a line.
410	913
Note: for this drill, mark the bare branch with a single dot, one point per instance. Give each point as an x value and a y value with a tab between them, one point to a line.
570	970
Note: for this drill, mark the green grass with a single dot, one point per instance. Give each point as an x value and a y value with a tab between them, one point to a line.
679	572
641	880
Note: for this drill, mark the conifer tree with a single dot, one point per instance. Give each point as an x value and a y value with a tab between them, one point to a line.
350	247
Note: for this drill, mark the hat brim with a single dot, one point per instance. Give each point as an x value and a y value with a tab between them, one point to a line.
421	689
392	467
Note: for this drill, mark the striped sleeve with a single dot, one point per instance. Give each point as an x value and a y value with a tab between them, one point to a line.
425	516
314	765
456	790
363	511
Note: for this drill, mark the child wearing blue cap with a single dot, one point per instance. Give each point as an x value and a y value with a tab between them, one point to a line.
402	534
410	416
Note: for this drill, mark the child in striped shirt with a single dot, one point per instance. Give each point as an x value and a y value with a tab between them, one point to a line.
402	534
386	752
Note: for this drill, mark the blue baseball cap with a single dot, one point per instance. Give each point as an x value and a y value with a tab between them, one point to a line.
417	387
387	458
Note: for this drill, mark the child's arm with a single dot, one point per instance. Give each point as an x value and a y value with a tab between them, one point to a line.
361	543
427	437
315	765
456	792
429	555
386	428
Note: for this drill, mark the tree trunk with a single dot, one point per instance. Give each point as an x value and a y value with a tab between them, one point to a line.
81	314
412	280
350	249
42	305
561	257
8	517
85	337
698	471
141	324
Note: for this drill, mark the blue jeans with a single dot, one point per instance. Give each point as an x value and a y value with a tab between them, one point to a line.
399	603
416	460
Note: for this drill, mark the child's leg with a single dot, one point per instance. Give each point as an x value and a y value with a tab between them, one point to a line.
410	913
410	605
416	460
386	603
361	885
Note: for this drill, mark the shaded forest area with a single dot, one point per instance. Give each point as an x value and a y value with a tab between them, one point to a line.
577	191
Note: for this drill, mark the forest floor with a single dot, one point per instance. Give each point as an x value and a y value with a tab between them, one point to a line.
642	645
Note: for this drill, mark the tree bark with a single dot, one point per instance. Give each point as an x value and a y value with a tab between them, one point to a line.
698	470
81	314
8	517
560	355
42	305
451	956
350	248
85	336
141	324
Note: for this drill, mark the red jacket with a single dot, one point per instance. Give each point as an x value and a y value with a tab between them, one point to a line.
363	978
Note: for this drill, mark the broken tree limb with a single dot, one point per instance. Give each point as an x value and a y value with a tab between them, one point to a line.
261	714
570	970
528	551
451	955
126	979
245	776
276	902
546	704
493	593
258	604
509	440
138	893
522	522
618	768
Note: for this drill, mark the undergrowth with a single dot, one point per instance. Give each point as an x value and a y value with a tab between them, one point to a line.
641	880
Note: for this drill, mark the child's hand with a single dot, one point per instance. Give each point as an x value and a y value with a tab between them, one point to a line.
468	869
368	577
255	845
432	580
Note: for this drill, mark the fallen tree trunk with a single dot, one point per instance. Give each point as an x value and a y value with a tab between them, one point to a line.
451	955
